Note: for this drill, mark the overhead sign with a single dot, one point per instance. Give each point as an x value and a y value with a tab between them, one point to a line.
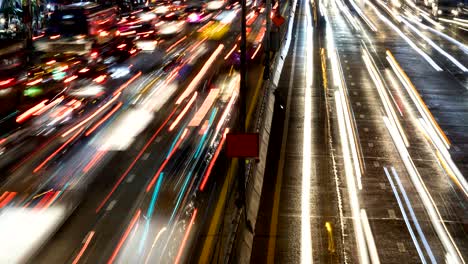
242	145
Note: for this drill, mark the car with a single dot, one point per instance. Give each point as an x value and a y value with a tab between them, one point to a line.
444	8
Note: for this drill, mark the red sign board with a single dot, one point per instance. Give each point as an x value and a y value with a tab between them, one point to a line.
278	20
244	145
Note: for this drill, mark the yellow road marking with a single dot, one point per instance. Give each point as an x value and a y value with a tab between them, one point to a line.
331	243
212	230
254	99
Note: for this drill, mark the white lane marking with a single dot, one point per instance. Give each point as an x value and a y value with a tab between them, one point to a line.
401	247
374	256
145	156
306	236
111	205
391	213
130	178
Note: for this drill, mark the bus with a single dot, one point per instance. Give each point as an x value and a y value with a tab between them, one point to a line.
78	28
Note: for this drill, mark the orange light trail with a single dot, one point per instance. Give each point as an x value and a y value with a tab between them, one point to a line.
197	45
9	196
125	85
2	83
226	112
83	249
184	241
51	200
31	111
71	78
127	33
256	51
100	78
92	129
124	237
176	43
213	160
36	150
51	62
57	151
43	200
90	117
231	51
203	128
205	27
203	109
163	165
183	112
48	106
94	160
251	20
134	161
200	74
38	36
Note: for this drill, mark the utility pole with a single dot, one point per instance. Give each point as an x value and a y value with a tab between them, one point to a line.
242	106
27	20
267	41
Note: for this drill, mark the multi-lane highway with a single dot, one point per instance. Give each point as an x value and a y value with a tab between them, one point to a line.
373	155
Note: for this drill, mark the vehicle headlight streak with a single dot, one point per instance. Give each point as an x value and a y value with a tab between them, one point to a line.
445	36
402	35
338	81
413	218
351	19
306	239
430	127
384	96
348	138
350	180
428	202
363	16
444	156
439	49
416	98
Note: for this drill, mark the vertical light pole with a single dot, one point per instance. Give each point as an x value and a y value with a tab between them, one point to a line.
27	20
267	41
242	102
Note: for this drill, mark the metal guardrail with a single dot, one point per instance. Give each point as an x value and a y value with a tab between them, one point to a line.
260	112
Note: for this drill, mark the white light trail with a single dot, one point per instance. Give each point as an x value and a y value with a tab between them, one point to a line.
383	93
429	204
306	239
405	218
413	215
350	182
416	98
439	49
369	238
402	35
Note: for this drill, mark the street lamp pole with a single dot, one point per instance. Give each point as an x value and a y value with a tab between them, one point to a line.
242	102
267	41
